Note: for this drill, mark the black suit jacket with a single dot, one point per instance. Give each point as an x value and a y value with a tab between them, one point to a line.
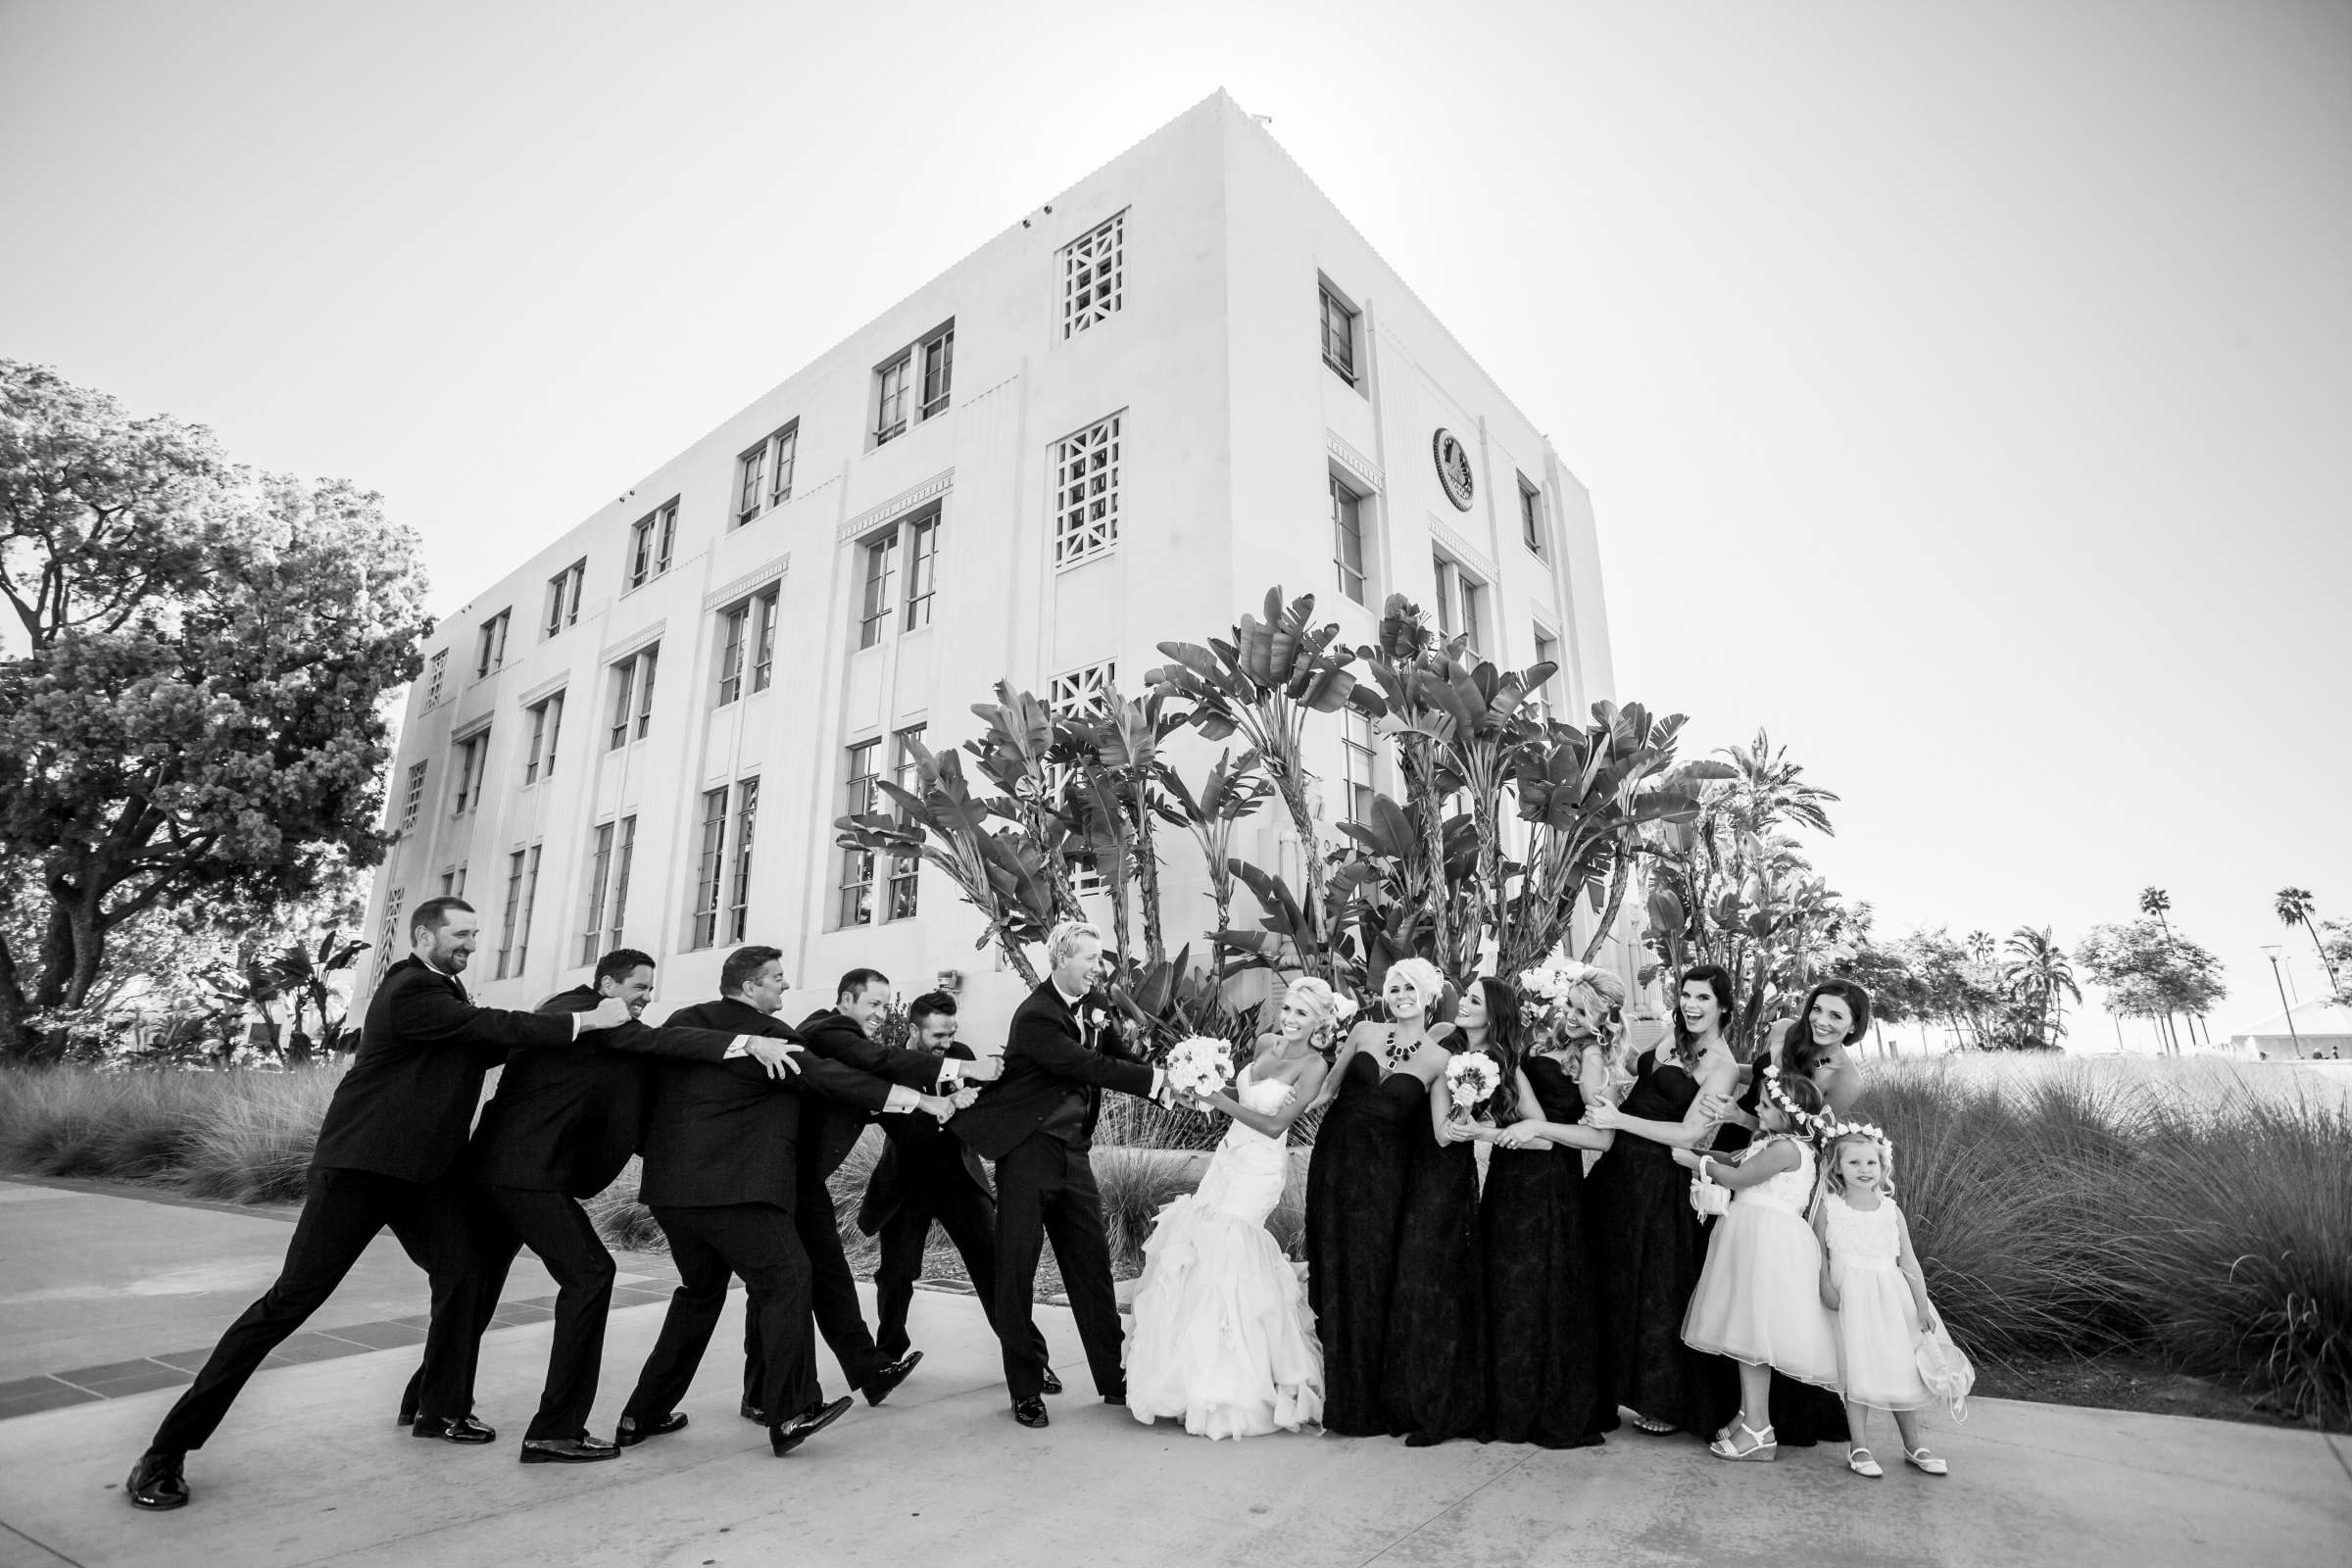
726	1133
566	1121
920	1151
406	1104
1048	1060
838	1038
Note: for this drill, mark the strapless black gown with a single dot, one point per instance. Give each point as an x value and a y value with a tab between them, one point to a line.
1355	1182
1803	1414
1544	1372
1652	1249
1435	1384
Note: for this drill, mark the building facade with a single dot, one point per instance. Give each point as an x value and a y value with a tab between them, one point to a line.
1184	380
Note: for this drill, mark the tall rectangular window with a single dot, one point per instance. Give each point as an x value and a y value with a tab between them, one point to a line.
1348	539
922	568
547	725
633	697
1531	515
1461	602
530	899
1357	757
564	597
937	354
1444	571
413	799
387	938
763	638
1086	491
734	635
1547	652
653	541
856	891
624	856
739	885
1338	334
610	849
505	924
1472	603
1093	276
906	772
710	873
881	567
433	673
781	462
750	494
473	758
490	645
763	474
890	399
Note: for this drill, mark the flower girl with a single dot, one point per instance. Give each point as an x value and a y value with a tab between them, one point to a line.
1870	1278
1759	1299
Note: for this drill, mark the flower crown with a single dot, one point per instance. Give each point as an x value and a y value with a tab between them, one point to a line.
1828	1132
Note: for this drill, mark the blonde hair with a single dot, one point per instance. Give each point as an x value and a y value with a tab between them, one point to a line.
1607	991
1320	1002
1066	935
1835	1178
1429	986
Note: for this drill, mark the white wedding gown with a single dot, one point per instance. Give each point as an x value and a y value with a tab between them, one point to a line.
1223	1336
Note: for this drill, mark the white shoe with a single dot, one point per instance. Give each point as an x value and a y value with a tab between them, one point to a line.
1859	1461
1921	1459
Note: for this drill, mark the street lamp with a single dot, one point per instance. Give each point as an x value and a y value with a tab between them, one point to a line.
2271	952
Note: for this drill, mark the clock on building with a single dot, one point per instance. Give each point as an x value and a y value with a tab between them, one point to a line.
1454	468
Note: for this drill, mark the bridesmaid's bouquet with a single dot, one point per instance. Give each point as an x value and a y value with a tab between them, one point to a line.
1471	1078
1198	1066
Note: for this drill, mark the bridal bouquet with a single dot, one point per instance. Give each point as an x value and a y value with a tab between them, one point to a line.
1470	1079
1198	1066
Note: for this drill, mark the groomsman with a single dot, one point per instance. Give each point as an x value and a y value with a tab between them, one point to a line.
721	1176
842	1033
557	1129
925	1174
1037	1122
387	1155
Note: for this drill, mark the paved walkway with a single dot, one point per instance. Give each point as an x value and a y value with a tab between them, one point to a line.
310	1469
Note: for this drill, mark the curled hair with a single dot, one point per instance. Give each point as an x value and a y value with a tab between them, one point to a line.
1607	993
1799	1053
1428	985
1716	978
1067	936
1506	1043
1835	1181
1322	1007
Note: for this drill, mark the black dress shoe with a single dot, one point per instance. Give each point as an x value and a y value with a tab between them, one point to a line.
1030	1413
453	1429
156	1482
582	1449
751	1412
1052	1384
405	1418
632	1431
889	1376
790	1435
1115	1396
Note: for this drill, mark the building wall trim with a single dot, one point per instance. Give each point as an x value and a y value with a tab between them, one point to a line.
749	583
614	652
873	517
1355	462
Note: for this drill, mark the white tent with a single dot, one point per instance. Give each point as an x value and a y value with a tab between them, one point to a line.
2321	1031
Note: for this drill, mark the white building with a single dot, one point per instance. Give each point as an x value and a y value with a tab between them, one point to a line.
1119	421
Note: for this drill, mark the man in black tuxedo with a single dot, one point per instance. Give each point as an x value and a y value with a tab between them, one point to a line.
721	1175
842	1034
925	1174
1037	1122
557	1129
388	1155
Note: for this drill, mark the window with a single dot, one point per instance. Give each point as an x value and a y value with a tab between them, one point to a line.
652	542
906	772
633	697
473	758
547	723
1357	755
747	636
735	630
612	849
738	887
890	399
1547	652
387	939
531	898
1093	276
1347	540
1460	602
922	568
881	565
939	370
435	671
1339	336
1080	691
1531	515
490	647
857	907
763	638
712	882
1086	491
413	799
505	924
453	882
767	473
564	597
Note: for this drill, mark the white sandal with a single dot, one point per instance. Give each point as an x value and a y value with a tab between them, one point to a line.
1763	1447
1921	1460
1860	1462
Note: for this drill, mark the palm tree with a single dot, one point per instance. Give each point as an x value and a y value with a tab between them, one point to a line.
2294	907
1769	790
2041	972
2155	902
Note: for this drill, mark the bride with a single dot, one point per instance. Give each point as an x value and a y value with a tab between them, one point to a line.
1223	1336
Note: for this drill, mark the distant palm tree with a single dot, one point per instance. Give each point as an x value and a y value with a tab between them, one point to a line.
2154	900
2294	907
2042	974
1769	790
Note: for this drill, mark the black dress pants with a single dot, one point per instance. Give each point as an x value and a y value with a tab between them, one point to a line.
341	1214
963	1208
832	1296
755	1241
1046	1188
559	1229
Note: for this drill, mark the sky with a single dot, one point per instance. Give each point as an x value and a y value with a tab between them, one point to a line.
1965	392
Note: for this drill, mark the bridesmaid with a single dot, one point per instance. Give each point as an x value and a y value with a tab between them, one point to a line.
1435	1383
1376	1091
1545	1384
1650	1243
1592	1036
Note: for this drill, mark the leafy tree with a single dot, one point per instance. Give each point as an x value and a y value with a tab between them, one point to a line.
199	706
2150	971
2294	908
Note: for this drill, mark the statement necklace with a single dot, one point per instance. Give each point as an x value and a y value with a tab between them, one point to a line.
1389	1054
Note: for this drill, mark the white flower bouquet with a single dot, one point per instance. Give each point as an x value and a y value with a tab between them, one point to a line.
1471	1078
1199	1065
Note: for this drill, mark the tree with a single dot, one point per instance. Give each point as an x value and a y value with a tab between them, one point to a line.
200	709
2042	977
2149	971
2294	907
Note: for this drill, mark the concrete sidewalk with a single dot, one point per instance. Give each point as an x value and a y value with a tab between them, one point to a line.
310	1470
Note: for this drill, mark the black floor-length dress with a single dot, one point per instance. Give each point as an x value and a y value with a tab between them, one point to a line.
1652	1249
1545	1383
1434	1385
1354	1197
